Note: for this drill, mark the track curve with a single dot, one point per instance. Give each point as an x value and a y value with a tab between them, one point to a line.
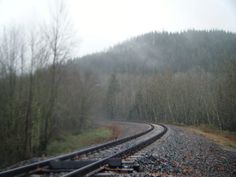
29	169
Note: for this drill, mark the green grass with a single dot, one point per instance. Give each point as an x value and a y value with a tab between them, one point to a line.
68	143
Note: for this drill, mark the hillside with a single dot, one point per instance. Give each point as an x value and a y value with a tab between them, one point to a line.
186	77
178	52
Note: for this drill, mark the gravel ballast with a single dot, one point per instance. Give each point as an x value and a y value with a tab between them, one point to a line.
182	153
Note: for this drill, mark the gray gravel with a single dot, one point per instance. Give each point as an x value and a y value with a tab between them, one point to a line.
110	151
181	153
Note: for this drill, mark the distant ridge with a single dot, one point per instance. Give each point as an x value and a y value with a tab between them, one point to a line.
158	51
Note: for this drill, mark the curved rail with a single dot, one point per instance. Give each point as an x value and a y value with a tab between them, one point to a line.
93	166
41	164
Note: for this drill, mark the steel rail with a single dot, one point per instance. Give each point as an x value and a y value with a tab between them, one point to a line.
93	166
44	163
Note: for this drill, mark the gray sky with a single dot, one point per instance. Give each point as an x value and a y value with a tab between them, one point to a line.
102	23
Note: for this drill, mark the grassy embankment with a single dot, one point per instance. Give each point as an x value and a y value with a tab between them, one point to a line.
225	139
68	143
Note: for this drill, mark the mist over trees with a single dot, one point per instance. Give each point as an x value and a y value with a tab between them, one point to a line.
186	77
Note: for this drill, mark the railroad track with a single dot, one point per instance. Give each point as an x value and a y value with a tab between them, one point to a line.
89	161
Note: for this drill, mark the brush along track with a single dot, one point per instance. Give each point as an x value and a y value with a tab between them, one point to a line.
45	164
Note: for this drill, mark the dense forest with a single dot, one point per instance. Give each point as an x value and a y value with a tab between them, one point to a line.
186	77
39	99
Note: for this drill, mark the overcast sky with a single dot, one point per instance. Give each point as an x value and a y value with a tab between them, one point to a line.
102	23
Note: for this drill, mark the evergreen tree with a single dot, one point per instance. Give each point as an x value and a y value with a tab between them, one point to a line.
111	97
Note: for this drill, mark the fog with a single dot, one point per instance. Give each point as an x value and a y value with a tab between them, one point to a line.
100	24
68	69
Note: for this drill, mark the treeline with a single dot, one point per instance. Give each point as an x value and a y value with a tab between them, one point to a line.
39	96
193	98
187	77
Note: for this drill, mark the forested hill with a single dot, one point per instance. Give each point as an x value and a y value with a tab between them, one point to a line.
157	51
187	77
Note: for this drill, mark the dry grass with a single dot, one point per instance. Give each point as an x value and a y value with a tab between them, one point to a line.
225	139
